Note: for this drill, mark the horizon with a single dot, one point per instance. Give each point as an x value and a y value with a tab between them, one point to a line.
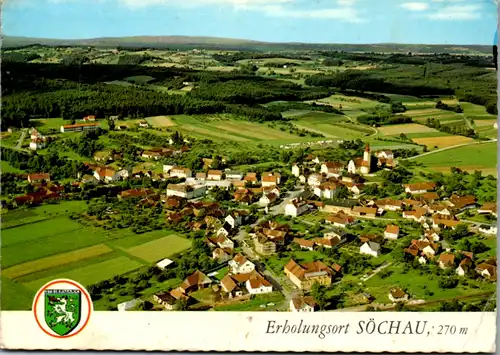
424	22
242	39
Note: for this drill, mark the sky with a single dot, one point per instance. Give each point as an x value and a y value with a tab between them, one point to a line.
310	21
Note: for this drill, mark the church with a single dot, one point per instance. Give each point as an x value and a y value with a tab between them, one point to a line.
361	165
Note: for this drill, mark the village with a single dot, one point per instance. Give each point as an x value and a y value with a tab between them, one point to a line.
267	239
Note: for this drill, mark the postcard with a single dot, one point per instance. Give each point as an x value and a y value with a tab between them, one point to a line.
249	175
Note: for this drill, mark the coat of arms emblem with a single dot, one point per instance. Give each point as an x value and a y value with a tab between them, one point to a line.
62	309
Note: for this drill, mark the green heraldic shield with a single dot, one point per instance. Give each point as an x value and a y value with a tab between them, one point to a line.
63	310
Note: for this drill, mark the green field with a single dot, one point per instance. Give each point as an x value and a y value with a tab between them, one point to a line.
44	212
41	244
92	273
474	157
229	128
416	282
160	248
55	261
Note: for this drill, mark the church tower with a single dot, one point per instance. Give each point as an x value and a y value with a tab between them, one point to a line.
367	160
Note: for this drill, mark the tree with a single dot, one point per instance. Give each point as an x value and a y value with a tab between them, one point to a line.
182	304
319	294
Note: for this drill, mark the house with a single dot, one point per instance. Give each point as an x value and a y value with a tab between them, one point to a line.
270	179
364	211
303	304
488	208
418	214
38	143
174	202
234	175
361	165
419	187
340	219
223	242
462	202
268	199
487	269
180	172
38	177
327	190
264	245
388	204
125	306
464	267
432	236
332	169
90	118
143	124
296	170
304	243
244	196
304	276
84	127
251	178
241	265
257	284
195	281
106	174
163	264
186	191
236	218
221	255
296	207
135	193
167	168
201	176
446	260
326	242
489	230
440	209
439	222
397	295
370	248
385	158
230	286
166	300
371	238
224	231
429	196
391	232
214	175
315	180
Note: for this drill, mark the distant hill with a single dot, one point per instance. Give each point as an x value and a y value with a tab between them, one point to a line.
187	42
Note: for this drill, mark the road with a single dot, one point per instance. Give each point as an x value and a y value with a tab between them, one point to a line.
21	139
448	148
375	272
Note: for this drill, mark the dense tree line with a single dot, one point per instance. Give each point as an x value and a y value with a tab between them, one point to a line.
22	57
58	167
363	81
442	106
461	130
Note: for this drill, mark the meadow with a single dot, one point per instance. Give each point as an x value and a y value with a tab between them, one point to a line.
41	244
470	158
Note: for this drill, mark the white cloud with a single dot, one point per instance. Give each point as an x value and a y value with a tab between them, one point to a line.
347	14
463	12
415	6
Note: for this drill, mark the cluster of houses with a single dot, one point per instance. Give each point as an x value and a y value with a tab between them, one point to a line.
265	188
356	166
38	141
241	280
